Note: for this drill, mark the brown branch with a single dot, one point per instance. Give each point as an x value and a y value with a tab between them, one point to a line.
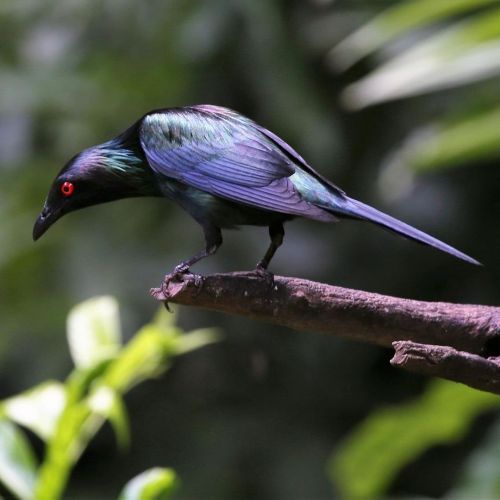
443	361
463	330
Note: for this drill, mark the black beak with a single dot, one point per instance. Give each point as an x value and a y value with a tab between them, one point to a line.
44	221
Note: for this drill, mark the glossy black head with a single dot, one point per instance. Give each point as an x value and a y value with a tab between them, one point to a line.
97	175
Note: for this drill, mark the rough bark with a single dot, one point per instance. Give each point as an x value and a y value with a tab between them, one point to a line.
459	342
444	361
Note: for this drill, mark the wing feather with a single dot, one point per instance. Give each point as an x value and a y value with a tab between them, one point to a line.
225	155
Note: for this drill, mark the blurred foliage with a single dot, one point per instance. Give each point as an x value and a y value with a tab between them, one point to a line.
480	478
17	461
459	54
67	416
453	142
460	44
396	21
391	438
152	484
257	415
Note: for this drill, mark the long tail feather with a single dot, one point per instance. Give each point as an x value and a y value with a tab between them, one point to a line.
356	209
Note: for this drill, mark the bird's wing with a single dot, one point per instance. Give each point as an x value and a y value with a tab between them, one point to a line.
291	153
222	153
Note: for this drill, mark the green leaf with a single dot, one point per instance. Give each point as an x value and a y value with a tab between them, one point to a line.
465	52
94	390
94	332
166	320
481	477
196	339
437	146
391	438
17	461
153	484
451	144
395	21
107	403
147	354
142	358
37	409
74	429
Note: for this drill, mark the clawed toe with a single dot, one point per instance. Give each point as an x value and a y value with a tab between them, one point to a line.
179	275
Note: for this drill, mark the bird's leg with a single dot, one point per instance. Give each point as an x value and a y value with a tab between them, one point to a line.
276	232
213	240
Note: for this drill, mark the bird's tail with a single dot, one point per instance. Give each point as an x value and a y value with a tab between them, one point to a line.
357	210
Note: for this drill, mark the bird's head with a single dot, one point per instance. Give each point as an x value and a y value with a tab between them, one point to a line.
97	175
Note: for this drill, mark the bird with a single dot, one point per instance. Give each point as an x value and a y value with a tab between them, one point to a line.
223	169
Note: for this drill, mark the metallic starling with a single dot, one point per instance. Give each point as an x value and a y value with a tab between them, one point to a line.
224	169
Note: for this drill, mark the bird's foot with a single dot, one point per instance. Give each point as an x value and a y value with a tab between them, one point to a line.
263	273
176	281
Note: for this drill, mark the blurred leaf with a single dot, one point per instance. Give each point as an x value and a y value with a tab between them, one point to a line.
107	403
142	358
17	461
465	52
70	437
95	389
37	409
146	355
196	339
449	144
94	332
88	404
481	478
153	484
437	146
391	438
395	21
164	319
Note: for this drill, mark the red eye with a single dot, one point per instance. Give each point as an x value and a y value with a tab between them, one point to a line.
67	188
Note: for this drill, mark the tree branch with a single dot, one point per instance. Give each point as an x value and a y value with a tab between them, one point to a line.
443	361
455	341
